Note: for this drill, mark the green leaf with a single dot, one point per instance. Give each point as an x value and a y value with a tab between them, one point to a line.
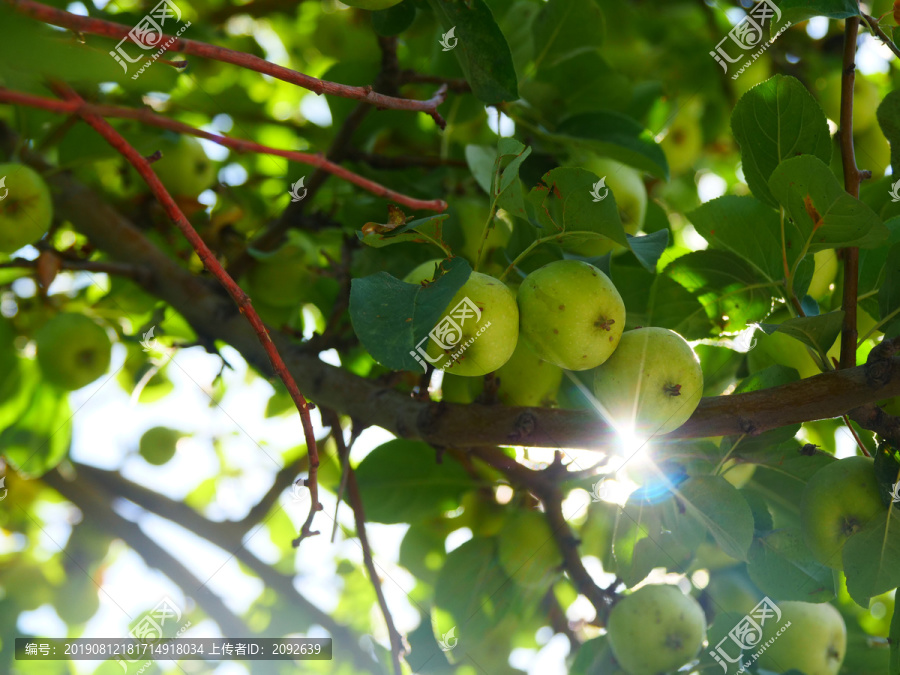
726	285
720	507
783	567
615	135
773	121
889	294
648	249
402	482
818	332
391	317
870	558
565	28
801	10
657	300
821	210
889	120
594	657
481	160
394	20
895	640
747	228
481	50
39	439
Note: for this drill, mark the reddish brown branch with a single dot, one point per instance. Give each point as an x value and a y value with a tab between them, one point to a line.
398	643
851	184
236	292
146	116
93	26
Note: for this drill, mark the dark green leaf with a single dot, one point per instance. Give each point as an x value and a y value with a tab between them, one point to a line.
649	248
773	121
889	121
801	10
618	136
394	20
889	294
783	567
391	317
895	640
402	482
722	509
657	300
818	332
747	228
870	558
730	289
481	48
564	28
821	210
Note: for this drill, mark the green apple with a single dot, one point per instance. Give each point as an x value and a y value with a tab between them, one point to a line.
683	142
26	209
282	278
837	502
873	152
158	444
423	272
738	473
485	342
458	389
528	380
72	350
826	272
371	4
652	383
655	630
184	168
571	314
630	194
815	643
865	100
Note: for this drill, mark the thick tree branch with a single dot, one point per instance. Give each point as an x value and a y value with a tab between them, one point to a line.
206	308
851	185
100	512
545	488
237	294
93	26
150	118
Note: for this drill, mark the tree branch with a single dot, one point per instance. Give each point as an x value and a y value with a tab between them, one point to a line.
851	185
100	512
203	305
93	26
228	537
237	294
148	117
398	644
872	23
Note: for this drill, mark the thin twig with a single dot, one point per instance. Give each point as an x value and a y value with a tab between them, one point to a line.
851	185
146	116
110	29
119	269
398	644
241	299
872	22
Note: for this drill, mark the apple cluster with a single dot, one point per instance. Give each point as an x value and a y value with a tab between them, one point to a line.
568	316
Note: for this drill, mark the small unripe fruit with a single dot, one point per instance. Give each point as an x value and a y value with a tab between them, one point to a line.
72	350
485	343
652	383
26	209
571	314
655	630
838	501
158	444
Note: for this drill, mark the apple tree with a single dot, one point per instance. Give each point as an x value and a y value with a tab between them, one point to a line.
479	336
